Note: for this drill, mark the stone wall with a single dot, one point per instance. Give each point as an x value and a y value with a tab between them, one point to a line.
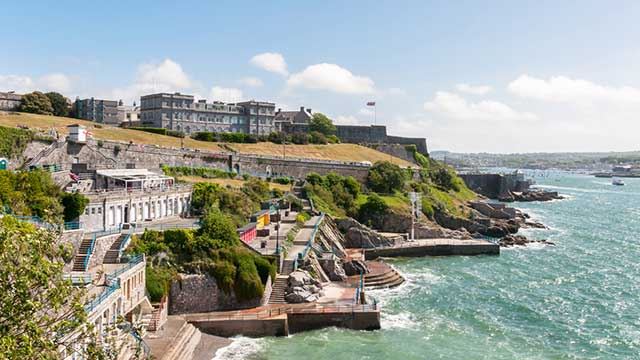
196	293
107	156
399	151
100	249
495	185
74	239
355	320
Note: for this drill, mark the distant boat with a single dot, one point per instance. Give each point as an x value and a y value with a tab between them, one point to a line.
616	181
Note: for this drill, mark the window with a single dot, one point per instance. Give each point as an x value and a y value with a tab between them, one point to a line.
86	211
93	211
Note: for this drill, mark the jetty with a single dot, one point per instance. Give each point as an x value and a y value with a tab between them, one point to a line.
434	247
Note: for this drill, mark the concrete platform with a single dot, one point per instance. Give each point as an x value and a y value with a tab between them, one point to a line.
435	247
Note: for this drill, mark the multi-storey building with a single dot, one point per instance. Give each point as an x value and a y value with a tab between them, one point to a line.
102	111
283	118
128	114
10	101
181	112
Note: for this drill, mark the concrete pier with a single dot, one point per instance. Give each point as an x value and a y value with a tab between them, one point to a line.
435	247
285	320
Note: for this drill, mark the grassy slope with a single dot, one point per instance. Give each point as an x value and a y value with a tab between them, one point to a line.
237	183
343	152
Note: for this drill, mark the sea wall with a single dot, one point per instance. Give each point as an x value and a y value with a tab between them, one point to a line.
495	185
455	248
355	320
277	326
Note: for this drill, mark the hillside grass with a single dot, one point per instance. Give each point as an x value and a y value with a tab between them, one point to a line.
341	152
235	183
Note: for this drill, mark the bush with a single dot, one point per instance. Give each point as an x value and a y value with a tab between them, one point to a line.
116	150
385	177
216	231
13	142
158	281
36	103
316	137
282	180
74	205
372	212
300	138
161	131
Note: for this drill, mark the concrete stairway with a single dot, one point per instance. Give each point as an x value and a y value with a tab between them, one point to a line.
83	253
183	344
278	290
387	278
287	267
113	254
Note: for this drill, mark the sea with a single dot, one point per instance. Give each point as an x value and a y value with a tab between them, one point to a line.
579	299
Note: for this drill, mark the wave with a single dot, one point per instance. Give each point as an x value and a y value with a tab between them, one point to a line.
403	320
241	348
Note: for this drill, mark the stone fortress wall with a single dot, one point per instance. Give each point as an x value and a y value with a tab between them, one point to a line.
365	134
113	154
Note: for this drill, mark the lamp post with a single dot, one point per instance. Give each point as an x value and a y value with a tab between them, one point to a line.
278	235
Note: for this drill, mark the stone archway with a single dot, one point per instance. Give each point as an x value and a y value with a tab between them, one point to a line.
269	171
236	168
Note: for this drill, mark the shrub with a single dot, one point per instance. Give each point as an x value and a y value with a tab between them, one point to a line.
74	205
300	138
116	150
36	103
373	211
316	137
225	274
158	281
282	180
385	177
13	142
161	131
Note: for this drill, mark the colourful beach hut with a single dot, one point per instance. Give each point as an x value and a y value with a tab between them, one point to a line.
247	233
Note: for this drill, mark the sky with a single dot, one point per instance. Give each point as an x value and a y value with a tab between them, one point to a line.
469	76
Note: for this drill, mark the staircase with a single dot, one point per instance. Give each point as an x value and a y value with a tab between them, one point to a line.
287	267
278	289
113	254
385	279
83	253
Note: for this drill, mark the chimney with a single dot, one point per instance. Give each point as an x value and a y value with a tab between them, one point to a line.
302	108
309	111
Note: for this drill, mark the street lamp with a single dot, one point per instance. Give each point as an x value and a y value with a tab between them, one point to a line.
278	234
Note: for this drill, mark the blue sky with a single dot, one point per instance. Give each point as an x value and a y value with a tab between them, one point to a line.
498	76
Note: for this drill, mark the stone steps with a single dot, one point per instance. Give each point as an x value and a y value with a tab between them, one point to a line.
184	344
287	267
278	290
83	252
387	278
113	254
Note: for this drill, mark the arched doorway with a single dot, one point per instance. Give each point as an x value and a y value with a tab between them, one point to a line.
236	168
269	171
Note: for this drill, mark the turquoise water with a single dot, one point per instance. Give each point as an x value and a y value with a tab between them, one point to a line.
577	300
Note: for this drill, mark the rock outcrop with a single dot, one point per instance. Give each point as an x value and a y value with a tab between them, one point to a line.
355	267
533	195
332	266
360	236
519	240
302	288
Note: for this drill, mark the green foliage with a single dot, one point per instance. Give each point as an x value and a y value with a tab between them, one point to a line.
36	103
30	193
59	104
386	177
217	231
158	281
333	193
300	138
322	124
256	189
372	212
13	142
443	178
333	139
283	180
302	218
74	204
203	172
316	137
39	308
225	137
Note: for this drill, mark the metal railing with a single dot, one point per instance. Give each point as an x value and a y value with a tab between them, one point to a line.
359	289
79	279
265	314
87	256
303	254
37	221
132	262
72	225
109	231
91	305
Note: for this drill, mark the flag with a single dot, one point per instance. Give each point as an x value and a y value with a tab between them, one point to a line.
371	103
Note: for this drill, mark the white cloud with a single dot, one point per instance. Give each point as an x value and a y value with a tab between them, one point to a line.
166	76
231	95
396	91
456	107
366	112
331	77
272	62
251	81
22	84
568	90
56	82
473	89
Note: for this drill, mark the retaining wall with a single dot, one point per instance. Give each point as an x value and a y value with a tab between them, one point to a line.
433	250
358	320
251	327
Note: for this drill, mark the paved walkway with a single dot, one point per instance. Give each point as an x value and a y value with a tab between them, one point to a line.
302	238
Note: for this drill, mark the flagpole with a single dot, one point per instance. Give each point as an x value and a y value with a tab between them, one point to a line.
375	113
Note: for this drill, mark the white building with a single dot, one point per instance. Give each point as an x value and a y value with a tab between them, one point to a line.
130	196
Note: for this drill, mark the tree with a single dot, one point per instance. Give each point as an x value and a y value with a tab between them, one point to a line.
217	231
316	137
372	212
385	177
58	103
40	311
74	204
36	103
322	124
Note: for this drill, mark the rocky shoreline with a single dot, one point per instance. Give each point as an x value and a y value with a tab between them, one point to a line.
531	195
